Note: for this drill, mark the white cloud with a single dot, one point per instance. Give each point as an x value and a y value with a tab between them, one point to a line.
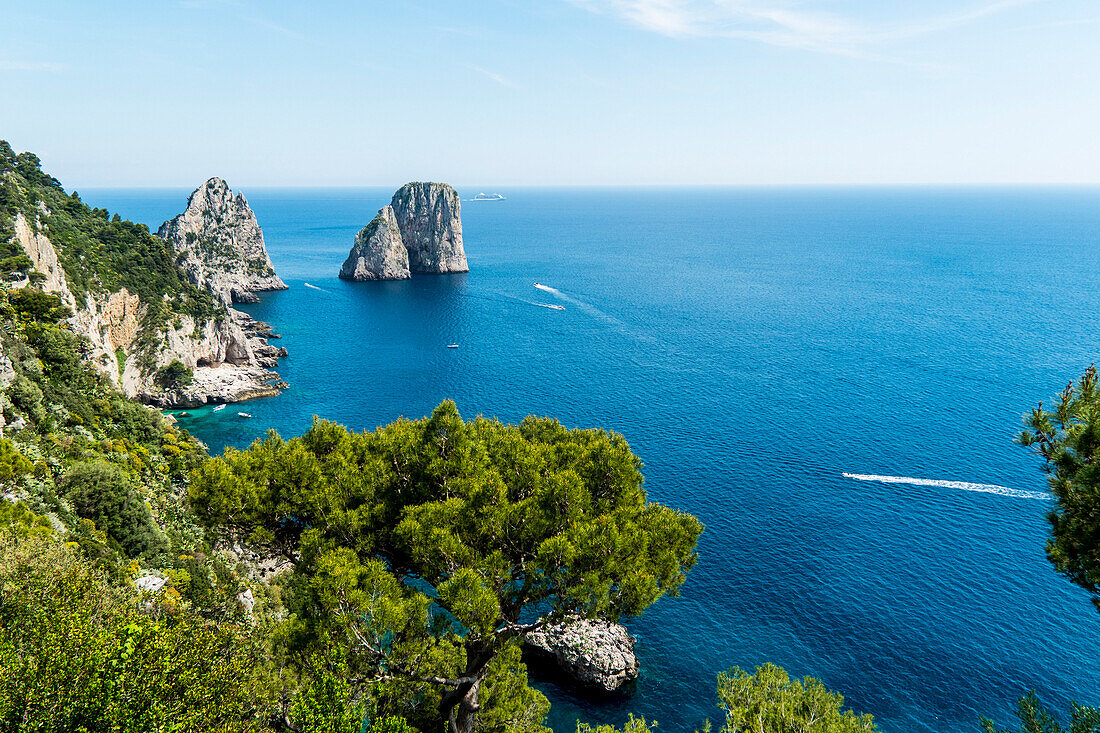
31	66
492	75
782	23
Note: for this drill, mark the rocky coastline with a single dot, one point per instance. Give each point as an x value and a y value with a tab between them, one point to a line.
228	354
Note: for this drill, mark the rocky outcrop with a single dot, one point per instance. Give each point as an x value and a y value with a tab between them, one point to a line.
594	652
420	231
379	252
43	255
429	216
229	354
7	376
222	245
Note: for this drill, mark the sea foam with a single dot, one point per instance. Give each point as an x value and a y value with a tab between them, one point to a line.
964	485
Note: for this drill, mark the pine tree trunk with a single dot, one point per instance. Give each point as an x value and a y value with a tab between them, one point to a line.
464	705
459	706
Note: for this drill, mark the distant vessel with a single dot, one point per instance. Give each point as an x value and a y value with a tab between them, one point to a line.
220	407
488	197
244	414
555	307
452	346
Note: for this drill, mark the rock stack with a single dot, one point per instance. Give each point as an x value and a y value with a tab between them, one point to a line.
379	252
222	245
420	231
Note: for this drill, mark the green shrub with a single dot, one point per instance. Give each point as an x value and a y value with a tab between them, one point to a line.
12	463
175	375
75	655
27	396
19	521
325	704
33	304
769	701
101	492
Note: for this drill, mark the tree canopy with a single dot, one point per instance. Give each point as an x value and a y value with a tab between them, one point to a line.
424	550
1068	439
1035	718
768	701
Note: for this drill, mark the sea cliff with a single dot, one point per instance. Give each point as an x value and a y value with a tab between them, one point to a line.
221	245
137	308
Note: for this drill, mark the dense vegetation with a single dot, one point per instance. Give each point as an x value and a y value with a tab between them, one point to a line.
97	662
1068	439
84	450
423	551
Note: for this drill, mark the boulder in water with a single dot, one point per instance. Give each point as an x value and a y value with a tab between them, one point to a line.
594	652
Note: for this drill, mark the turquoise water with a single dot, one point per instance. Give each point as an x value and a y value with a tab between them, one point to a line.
753	345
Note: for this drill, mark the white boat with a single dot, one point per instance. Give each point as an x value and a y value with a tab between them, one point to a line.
220	407
488	197
243	414
557	307
452	346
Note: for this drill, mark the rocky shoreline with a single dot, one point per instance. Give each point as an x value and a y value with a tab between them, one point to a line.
222	251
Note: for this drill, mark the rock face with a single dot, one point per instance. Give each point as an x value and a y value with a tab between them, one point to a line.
420	231
430	218
379	252
230	354
222	245
596	653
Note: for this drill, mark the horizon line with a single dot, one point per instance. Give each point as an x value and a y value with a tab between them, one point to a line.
619	186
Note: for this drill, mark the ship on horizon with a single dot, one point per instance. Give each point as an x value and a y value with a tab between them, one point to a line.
488	197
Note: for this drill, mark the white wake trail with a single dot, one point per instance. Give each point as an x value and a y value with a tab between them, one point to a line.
964	485
317	288
590	310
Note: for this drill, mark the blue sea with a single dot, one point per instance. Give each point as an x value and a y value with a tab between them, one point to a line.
754	346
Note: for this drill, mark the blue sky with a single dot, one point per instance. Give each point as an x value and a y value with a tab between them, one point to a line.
562	92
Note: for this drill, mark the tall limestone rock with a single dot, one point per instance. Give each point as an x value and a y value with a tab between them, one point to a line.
222	244
430	218
379	252
420	231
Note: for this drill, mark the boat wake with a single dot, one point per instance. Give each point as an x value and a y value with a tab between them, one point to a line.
506	298
314	287
590	310
963	485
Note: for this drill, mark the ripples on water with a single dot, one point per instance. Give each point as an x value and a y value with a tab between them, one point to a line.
754	346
